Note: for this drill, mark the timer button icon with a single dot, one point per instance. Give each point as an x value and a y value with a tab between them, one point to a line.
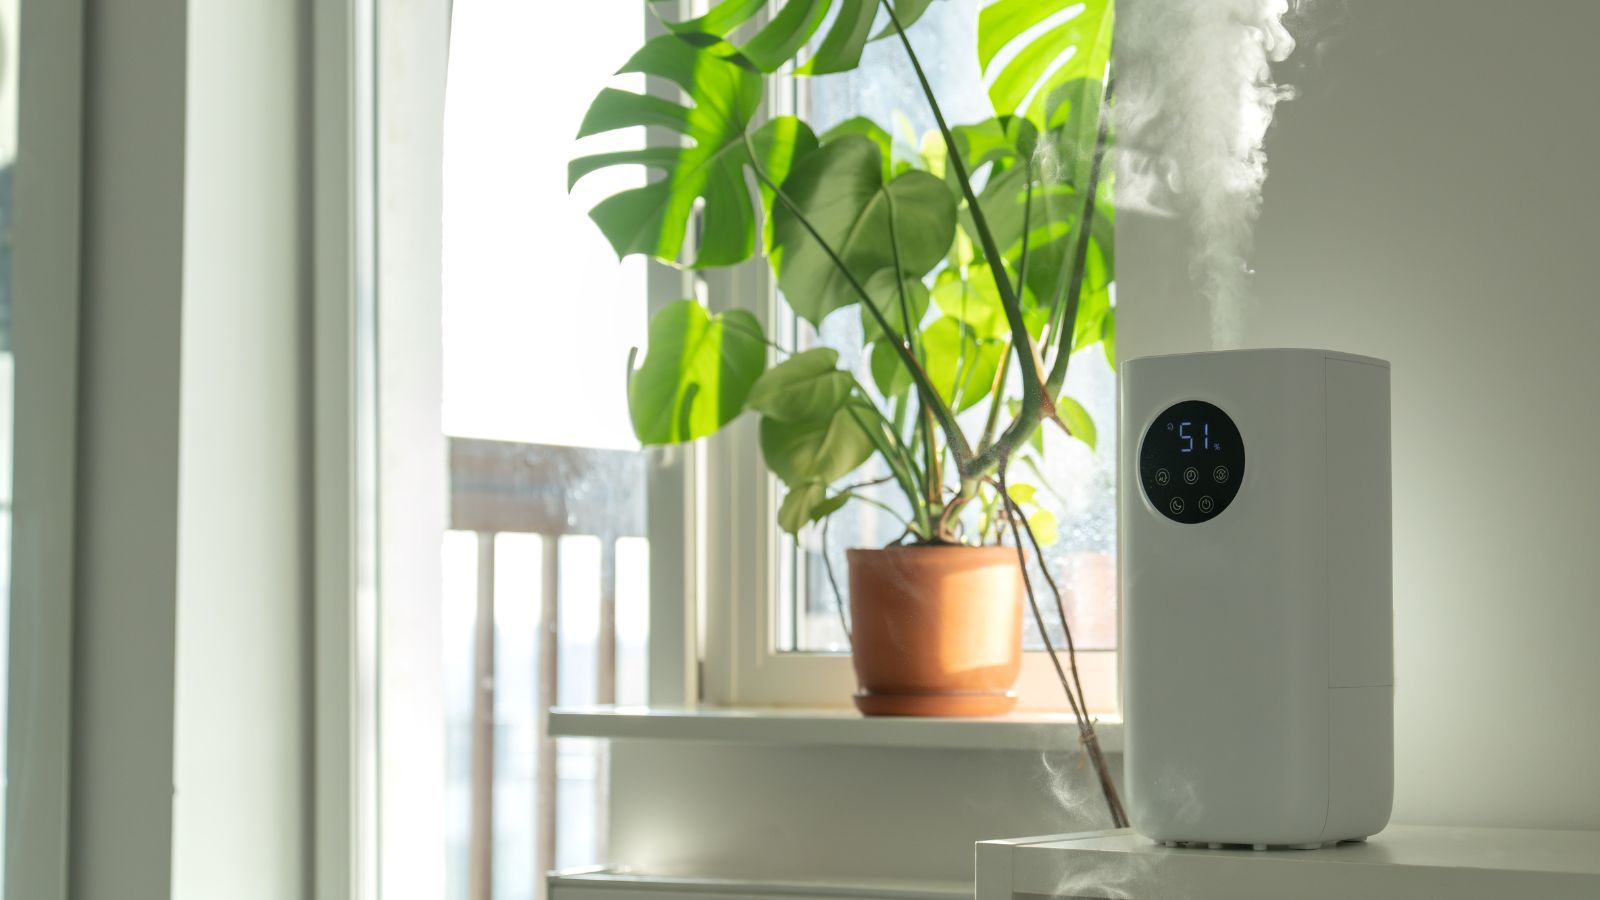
1163	477
1220	474
1191	475
1176	506
1206	504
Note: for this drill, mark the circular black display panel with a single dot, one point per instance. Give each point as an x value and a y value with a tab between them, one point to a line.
1191	462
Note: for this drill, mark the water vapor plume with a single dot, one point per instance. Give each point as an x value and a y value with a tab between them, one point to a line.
1074	790
1195	95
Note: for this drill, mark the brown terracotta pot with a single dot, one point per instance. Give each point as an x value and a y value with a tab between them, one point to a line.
936	631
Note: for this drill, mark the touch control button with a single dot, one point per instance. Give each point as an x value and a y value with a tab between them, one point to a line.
1163	477
1191	475
1220	474
1176	505
1206	504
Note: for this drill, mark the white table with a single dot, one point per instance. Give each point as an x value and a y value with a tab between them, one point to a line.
1402	862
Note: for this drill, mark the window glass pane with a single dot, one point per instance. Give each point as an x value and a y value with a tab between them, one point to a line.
539	318
538	315
1075	483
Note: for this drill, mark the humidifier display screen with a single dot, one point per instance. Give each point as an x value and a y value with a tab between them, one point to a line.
1191	462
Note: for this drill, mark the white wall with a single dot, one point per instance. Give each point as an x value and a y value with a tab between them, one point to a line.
1431	200
243	680
855	815
190	744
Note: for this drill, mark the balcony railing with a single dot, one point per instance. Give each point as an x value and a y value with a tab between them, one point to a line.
501	488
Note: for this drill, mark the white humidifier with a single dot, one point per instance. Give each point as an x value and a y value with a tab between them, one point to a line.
1258	674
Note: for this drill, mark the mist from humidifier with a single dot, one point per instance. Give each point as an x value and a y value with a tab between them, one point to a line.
1195	95
1107	875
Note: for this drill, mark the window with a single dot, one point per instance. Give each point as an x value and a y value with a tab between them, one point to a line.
528	554
786	644
545	594
500	491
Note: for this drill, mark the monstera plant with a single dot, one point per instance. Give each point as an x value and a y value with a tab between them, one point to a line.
978	265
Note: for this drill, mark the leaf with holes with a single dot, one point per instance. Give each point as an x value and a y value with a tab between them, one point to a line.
1028	49
697	373
788	30
724	96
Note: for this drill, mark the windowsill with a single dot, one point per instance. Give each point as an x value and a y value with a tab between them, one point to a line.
828	727
605	883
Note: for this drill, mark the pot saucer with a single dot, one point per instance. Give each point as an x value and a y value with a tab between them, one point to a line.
976	703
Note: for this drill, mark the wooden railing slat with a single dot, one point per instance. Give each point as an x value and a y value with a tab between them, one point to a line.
481	878
549	666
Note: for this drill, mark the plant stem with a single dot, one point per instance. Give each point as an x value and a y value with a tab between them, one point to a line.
1027	224
932	474
898	458
997	394
996	398
1035	403
838	598
1086	733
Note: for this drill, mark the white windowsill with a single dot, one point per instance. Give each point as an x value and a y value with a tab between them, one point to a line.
600	883
828	727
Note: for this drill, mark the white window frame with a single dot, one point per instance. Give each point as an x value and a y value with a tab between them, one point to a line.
378	89
744	665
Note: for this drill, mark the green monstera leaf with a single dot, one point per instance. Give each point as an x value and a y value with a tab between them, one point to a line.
819	450
870	130
905	225
697	373
961	365
888	371
724	94
973	300
1029	49
1021	200
806	387
886	295
790	27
